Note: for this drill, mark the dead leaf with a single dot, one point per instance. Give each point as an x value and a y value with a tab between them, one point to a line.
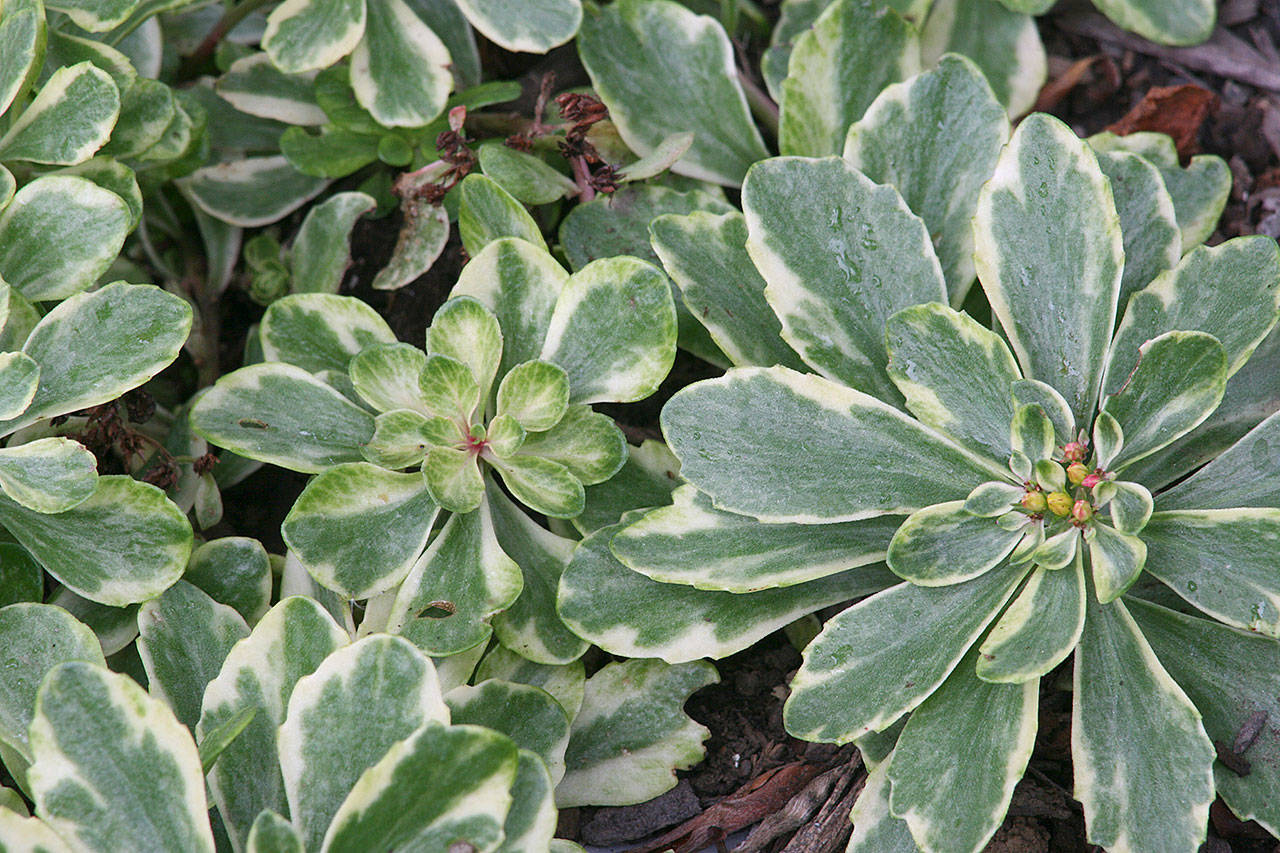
1178	111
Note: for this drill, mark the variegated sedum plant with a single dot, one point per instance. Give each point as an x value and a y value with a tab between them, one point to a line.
409	446
1027	483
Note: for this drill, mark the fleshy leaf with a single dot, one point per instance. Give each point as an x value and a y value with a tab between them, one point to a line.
1032	434
542	485
422	238
254	85
1179	381
453	478
626	613
638	703
526	176
959	757
259	674
528	715
1116	559
1039	630
235	571
935	138
1049	255
1027	392
535	393
1131	507
254	191
588	443
321	252
565	682
320	331
487	212
344	717
613	330
68	120
402	437
400	68
1179	23
894	670
955	375
465	330
1004	44
19	378
22	32
523	26
306	35
531	822
773	443
386	376
281	414
648	61
1131	726
837	68
271	833
875	829
48	474
876	258
127	542
1152	241
92	729
993	499
944	544
358	528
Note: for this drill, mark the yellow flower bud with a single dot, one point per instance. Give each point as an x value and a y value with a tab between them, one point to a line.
1059	504
1076	472
1034	502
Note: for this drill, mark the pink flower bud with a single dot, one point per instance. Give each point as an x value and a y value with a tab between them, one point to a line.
1082	511
1092	480
1074	451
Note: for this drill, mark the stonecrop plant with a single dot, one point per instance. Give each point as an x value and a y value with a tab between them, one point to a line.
1027	484
398	437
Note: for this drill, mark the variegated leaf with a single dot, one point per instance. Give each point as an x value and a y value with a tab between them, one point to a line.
251	192
307	35
1004	44
646	479
320	331
531	822
254	85
48	474
20	834
271	833
343	718
876	258
564	682
945	544
19	378
527	177
235	571
1039	630
259	674
647	60
400	70
750	465
68	120
935	138
422	238
386	376
1152	241
22	33
875	829
487	212
525	26
1182	22
863	672
321	252
94	728
639	704
530	716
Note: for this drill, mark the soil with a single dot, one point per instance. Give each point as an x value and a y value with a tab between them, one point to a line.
753	769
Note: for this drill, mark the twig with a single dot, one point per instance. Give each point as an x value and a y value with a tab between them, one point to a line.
228	22
762	106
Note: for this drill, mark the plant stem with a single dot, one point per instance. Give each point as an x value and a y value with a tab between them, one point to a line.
226	24
762	106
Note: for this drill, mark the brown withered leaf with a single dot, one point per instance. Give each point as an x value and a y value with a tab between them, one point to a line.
1178	111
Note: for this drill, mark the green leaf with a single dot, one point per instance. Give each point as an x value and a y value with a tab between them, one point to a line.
235	571
1116	559
68	120
216	742
632	733
183	638
1221	561
1238	477
332	153
945	544
400	68
528	715
1230	291
876	258
587	443
58	235
1152	241
259	674
94	728
48	474
22	39
1180	23
531	627
21	577
752	465
465	330
447	21
1039	630
1143	765
386	376
531	822
649	60
535	393
565	682
693	543
487	212
358	528
875	829
440	787
935	138
422	238
345	716
524	26
19	378
705	255
1033	434
114	177
456	586
271	833
254	85
320	331
125	543
95	346
1047	234
115	627
281	414
520	283
527	177
1178	382
321	252
1130	507
147	109
667	153
626	613
955	375
542	485
837	68
1004	44
646	479
863	671
1231	676
453	478
402	437
36	638
306	35
251	192
959	757
613	330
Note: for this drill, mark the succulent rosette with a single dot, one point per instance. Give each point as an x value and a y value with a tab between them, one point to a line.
1089	483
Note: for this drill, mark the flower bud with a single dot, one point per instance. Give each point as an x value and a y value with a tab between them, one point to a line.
1092	480
1059	503
1076	473
1082	511
1074	451
1034	502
